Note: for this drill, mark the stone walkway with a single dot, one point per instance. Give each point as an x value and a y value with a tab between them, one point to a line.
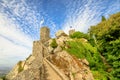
51	74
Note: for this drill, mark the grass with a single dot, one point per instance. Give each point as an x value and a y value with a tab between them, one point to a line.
86	50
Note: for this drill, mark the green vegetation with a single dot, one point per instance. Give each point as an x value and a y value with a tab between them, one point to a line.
86	50
102	49
3	78
20	68
53	44
103	18
79	35
107	36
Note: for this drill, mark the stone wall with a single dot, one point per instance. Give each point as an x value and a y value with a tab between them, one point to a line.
39	50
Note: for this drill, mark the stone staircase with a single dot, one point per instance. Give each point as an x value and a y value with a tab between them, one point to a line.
51	72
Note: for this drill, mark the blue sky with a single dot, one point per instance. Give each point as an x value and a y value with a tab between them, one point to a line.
20	21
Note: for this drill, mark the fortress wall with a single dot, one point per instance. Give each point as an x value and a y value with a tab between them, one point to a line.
37	49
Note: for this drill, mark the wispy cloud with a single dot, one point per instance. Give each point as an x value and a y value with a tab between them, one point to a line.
14	44
84	13
20	21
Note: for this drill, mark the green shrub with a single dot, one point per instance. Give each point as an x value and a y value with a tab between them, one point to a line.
103	18
79	34
53	44
3	77
99	75
107	34
20	68
86	50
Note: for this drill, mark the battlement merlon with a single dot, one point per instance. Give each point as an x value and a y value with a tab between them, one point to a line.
44	34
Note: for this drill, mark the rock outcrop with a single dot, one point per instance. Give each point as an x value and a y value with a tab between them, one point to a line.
48	63
73	68
60	33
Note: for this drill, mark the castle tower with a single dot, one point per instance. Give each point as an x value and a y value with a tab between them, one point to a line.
71	31
39	50
44	34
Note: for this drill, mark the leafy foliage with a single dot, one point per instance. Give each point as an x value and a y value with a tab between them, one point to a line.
79	35
20	68
102	49
107	34
103	18
86	50
3	78
53	44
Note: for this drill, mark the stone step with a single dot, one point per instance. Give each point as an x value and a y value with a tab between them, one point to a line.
50	73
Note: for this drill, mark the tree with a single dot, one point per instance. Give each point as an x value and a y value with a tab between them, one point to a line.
107	34
103	18
54	43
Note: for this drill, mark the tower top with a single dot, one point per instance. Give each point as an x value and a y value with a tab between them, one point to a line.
44	34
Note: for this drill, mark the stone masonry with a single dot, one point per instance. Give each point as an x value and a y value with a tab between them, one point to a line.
44	34
39	49
71	31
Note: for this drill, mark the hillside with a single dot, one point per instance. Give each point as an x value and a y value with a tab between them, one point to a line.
50	60
78	56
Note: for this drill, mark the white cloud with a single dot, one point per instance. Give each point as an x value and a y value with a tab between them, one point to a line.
82	15
41	22
11	53
9	30
13	43
24	14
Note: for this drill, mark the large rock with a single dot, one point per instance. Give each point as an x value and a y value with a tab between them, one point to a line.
58	49
29	74
73	68
13	73
85	61
30	65
60	33
50	49
61	41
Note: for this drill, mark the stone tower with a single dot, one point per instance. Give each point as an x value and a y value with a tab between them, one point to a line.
39	49
71	31
44	34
